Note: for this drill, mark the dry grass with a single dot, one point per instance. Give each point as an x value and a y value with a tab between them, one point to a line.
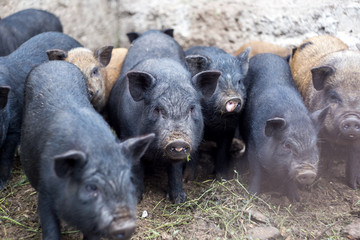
213	210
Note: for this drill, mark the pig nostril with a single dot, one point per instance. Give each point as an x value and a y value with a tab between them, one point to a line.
233	104
177	149
346	126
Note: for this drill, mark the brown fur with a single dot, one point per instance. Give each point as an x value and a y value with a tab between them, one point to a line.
113	69
308	55
86	61
263	47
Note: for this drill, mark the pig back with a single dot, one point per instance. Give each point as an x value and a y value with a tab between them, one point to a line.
152	44
21	26
308	54
53	105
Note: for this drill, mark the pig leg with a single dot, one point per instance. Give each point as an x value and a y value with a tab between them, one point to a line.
49	221
291	191
222	161
352	171
7	157
255	176
138	180
175	187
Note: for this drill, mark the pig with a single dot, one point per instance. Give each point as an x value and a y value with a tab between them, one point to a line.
21	26
13	70
113	69
263	47
327	73
278	130
92	64
81	171
221	111
156	93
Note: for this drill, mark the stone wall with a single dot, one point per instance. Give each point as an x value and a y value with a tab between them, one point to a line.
225	23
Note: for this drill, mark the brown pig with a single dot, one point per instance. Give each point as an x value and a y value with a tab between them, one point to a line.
113	69
92	64
327	73
263	47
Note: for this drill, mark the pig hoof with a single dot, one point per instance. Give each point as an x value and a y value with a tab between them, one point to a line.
293	197
220	176
3	180
177	198
352	184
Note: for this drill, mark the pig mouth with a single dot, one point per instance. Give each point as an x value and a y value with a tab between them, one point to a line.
176	146
122	230
122	227
177	150
306	175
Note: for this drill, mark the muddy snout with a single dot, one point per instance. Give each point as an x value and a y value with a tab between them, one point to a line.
306	176
122	231
350	127
233	105
178	149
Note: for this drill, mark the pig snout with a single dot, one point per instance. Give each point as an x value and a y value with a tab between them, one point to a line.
122	230
306	176
123	225
350	126
177	150
233	105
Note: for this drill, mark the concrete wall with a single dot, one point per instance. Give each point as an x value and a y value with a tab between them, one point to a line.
224	23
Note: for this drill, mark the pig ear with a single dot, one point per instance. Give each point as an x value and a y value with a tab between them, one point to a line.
318	117
293	51
134	148
197	63
56	54
244	60
206	82
169	32
103	55
139	83
69	163
274	125
320	75
4	96
132	36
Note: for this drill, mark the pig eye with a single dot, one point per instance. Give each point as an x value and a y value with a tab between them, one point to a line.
92	190
334	98
288	147
192	109
156	111
94	71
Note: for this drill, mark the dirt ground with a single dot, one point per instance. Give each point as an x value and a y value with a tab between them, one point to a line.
213	210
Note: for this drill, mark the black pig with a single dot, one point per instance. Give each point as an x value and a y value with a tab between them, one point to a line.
21	26
221	111
155	93
81	171
280	134
13	70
